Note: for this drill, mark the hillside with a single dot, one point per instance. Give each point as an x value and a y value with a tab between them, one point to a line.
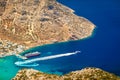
84	74
37	22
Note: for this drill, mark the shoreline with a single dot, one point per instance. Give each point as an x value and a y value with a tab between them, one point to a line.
26	49
83	74
91	36
8	48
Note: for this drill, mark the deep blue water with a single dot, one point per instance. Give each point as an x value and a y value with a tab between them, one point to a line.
102	50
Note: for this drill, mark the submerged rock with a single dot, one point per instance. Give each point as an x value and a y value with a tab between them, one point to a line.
37	22
84	74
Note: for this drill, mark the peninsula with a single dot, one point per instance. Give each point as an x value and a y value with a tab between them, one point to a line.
37	22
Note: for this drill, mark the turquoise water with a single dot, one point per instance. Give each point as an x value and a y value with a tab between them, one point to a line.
7	67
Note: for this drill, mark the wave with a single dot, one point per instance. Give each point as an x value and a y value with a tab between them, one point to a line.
19	63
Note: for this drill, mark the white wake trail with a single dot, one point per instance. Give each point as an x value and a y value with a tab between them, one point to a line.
18	63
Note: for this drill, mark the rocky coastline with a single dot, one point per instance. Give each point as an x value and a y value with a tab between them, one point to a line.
38	22
84	74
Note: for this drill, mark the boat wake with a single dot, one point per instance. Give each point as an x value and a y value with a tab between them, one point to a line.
25	62
29	65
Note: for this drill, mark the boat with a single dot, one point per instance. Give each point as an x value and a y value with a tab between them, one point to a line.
30	61
77	52
32	54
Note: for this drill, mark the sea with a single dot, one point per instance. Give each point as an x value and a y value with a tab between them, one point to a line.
101	50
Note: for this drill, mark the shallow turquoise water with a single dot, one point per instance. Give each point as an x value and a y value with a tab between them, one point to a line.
7	67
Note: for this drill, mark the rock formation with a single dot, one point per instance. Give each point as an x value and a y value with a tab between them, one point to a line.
37	22
84	74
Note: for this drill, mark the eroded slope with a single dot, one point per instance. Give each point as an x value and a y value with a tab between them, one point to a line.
37	22
84	74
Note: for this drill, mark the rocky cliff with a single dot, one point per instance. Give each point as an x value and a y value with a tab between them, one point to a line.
37	22
84	74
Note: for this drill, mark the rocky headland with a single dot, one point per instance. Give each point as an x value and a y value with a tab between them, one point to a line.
84	74
37	22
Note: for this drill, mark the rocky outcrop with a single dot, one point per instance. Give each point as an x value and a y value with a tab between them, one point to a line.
37	22
90	74
84	74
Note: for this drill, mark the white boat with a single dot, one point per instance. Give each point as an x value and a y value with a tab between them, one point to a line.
29	61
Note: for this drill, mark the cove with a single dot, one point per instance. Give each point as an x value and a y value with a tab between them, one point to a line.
63	65
102	50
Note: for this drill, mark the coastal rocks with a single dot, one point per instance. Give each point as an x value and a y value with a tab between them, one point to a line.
90	74
84	74
30	74
37	22
9	48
